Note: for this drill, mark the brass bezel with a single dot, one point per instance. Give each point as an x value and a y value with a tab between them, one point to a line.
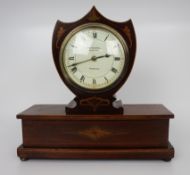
92	25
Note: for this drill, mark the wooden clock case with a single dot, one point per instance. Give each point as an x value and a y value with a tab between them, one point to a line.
94	126
95	101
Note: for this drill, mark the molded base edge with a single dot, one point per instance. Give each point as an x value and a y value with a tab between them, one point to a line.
165	154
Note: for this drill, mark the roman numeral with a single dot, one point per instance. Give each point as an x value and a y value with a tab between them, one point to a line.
94	35
73	46
117	58
117	45
114	70
71	58
74	69
106	79
82	78
94	81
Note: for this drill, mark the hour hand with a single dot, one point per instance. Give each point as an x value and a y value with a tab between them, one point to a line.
106	55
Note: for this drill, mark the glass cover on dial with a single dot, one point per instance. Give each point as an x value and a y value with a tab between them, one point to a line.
93	57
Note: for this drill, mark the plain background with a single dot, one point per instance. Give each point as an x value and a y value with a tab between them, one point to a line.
161	74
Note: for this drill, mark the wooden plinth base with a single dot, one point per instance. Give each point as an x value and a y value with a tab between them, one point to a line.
141	132
165	154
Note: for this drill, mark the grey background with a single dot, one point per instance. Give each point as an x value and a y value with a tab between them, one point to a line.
161	74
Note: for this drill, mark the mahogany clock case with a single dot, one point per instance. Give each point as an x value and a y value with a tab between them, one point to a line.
95	125
125	29
99	101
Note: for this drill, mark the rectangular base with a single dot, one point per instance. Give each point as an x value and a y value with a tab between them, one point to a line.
141	132
165	154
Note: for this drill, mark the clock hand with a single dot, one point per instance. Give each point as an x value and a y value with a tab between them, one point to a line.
84	61
93	58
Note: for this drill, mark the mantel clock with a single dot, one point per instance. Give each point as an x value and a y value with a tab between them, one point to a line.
94	57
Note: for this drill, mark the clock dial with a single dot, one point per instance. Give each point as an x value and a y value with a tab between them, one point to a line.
93	57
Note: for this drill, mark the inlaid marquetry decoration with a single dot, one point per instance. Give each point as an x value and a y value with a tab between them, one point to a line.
128	33
59	34
94	102
93	16
95	133
94	57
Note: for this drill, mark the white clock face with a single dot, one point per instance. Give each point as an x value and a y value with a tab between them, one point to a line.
93	57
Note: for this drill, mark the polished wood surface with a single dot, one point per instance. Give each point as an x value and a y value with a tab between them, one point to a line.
131	112
125	29
165	154
103	98
141	127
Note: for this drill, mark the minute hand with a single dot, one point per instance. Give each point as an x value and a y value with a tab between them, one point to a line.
80	62
93	58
